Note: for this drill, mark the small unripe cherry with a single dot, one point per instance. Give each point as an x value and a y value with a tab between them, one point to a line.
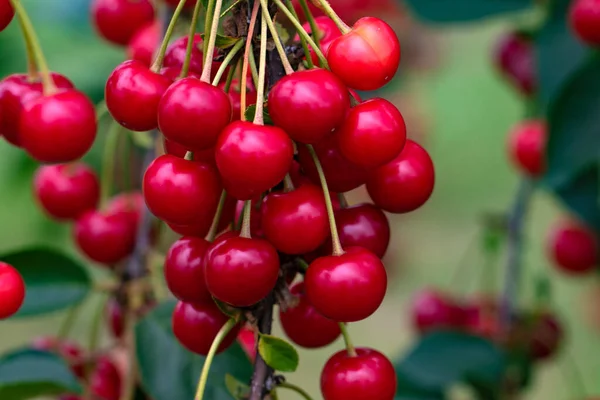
527	146
118	20
584	17
7	14
573	248
144	43
12	290
184	270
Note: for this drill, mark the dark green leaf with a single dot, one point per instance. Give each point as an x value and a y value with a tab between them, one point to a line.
237	389
53	280
224	42
465	10
278	354
31	373
169	372
251	111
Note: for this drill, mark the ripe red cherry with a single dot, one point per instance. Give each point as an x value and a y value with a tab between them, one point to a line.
70	351
181	192
341	174
184	270
235	97
327	32
15	91
115	316
573	248
118	20
526	147
305	326
433	310
585	19
369	375
175	3
144	43
193	113
12	290
7	13
243	149
131	205
405	183
546	337
308	105
58	128
175	55
247	339
196	325
372	134
132	95
515	58
66	191
367	57
295	222
241	271
346	288
105	382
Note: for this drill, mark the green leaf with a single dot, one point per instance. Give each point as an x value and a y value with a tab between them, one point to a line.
224	42
464	10
237	389
31	373
278	354
251	111
53	281
169	372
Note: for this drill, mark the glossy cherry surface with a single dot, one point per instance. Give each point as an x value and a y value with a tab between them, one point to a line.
584	17
527	147
327	33
433	310
175	55
201	228
118	20
12	290
184	270
7	13
573	248
515	58
144	43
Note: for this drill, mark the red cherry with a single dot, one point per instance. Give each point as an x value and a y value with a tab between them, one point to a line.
105	382
547	336
12	290
346	288
243	149
181	192
201	229
515	58
235	97
247	339
131	205
132	95
432	310
115	316
241	271
175	55
144	43
584	17
184	270
7	13
405	183
175	3
367	57
305	326
369	375
308	105
70	351
66	191
327	32
573	248
196	326
118	20
15	91
173	73
341	174
58	128
193	113
373	133
177	150
527	146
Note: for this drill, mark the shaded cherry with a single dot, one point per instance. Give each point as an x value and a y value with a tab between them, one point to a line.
184	272
130	205
144	43
203	156
515	58
196	325
235	97
247	339
304	325
573	248
105	381
115	315
175	55
308	105
243	149
433	310
346	288
241	271
12	290
202	227
66	191
367	57
546	337
118	20
7	14
527	147
173	73
405	183
373	133
132	95
369	375
327	33
70	351
584	17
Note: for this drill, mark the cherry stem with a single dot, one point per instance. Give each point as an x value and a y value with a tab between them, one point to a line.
158	62
185	69
253	69
313	28
246	229
67	325
262	73
302	32
231	7
244	81
229	325
212	233
284	59
296	389
330	12
33	40
108	162
208	56
347	340
230	56
31	64
343	200
207	24
288	184
229	79
335	239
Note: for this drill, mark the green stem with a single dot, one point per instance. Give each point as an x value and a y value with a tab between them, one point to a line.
157	65
232	53
262	73
185	69
207	25
212	233
108	161
229	79
296	389
267	17
253	69
314	30
329	11
349	346
288	184
231	7
335	239
210	356
246	230
31	64
67	325
212	41
246	60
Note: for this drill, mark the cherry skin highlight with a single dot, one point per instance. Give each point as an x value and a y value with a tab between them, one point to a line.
584	17
405	183
118	20
184	270
12	290
144	43
432	310
7	13
573	248
527	146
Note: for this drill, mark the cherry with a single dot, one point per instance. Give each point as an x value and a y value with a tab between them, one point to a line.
295	222
7	13
15	91
203	156
584	17
201	229
118	20
144	43
241	271
105	381
132	94
243	149
346	288
546	337
515	58
175	3
70	351
130	205
12	290
115	315
433	310
66	191
341	174
175	55
308	105
235	97
181	192
58	128
527	146
369	375
196	325
247	339
304	325
327	33
573	248
184	271
405	183
193	113
373	133
367	57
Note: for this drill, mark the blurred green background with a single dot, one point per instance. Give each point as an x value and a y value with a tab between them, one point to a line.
467	110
